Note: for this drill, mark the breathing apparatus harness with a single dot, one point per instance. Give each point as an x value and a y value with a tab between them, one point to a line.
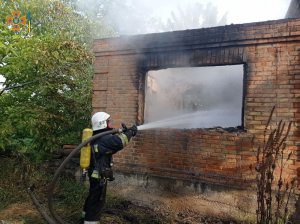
99	170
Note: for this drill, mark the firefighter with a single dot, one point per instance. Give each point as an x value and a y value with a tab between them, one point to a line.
101	162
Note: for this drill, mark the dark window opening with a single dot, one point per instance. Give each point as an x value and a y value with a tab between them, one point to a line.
204	97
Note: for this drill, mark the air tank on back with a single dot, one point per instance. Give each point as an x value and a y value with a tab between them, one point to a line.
85	154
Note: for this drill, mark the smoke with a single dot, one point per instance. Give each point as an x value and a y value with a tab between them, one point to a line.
214	94
209	96
140	17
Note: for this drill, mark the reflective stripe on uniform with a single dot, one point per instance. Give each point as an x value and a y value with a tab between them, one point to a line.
91	222
124	140
95	175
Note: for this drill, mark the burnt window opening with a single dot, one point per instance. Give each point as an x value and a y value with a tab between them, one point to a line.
202	97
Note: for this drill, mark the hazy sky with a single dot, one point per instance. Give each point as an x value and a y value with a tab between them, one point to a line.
239	11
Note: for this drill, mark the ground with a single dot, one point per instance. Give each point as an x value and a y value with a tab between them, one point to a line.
124	213
17	208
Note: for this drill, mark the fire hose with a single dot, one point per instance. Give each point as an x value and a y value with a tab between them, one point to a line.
58	172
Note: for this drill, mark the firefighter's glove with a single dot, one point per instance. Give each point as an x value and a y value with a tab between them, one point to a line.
134	130
124	127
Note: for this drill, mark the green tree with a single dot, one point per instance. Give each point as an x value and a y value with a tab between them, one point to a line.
46	95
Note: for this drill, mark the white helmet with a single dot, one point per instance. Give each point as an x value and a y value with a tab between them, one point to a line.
100	121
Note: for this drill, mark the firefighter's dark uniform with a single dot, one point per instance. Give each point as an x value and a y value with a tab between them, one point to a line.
99	172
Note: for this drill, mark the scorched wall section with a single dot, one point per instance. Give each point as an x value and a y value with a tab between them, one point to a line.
270	54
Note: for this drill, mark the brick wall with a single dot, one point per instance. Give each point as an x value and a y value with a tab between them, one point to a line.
270	54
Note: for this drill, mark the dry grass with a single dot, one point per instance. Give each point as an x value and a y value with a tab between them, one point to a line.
17	207
20	213
270	158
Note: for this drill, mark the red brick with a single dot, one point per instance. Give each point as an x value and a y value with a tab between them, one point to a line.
248	158
229	169
244	144
232	147
215	167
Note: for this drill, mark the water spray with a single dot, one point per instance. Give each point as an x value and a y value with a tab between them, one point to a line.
199	119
